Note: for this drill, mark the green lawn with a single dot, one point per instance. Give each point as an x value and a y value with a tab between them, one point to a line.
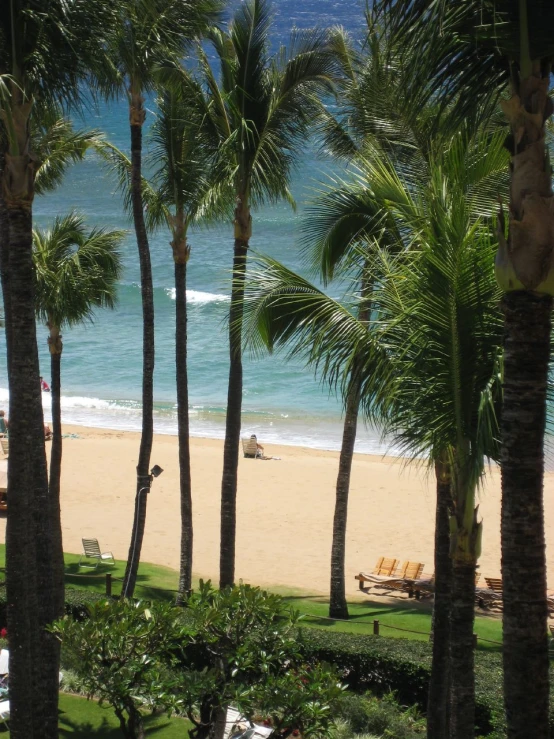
79	717
155	581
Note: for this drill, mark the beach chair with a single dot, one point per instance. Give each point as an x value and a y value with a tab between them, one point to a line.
409	573
385	569
5	444
494	583
250	448
491	595
91	550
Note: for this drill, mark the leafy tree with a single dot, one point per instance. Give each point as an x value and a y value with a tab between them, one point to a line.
490	46
242	649
122	652
148	35
261	110
76	272
47	49
234	646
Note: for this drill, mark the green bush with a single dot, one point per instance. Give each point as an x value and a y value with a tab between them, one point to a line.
384	717
403	668
76	603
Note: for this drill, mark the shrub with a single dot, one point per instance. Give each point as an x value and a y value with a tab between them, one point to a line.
403	667
76	603
385	717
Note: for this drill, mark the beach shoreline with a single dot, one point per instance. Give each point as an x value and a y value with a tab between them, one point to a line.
284	509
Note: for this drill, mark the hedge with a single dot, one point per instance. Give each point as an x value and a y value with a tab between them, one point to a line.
382	664
76	602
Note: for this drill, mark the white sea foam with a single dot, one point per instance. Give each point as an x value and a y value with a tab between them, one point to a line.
198	296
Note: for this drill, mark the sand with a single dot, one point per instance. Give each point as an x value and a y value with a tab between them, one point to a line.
285	509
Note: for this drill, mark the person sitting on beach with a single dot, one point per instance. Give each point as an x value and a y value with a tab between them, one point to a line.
3	424
259	447
47	433
44	386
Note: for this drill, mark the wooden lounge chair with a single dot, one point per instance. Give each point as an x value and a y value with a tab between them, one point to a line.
491	595
91	550
5	444
410	572
494	583
383	570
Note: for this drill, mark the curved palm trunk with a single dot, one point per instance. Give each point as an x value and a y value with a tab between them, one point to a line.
180	256
338	607
243	232
439	684
32	553
137	116
527	350
55	345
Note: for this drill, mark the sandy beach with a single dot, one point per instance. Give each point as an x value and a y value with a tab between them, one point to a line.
285	509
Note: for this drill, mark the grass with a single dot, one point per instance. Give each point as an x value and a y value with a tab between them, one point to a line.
157	582
84	719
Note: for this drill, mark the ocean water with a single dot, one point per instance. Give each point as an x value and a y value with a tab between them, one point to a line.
101	363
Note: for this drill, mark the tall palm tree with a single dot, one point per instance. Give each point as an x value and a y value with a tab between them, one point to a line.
76	272
369	115
491	46
261	109
183	158
46	50
443	244
149	34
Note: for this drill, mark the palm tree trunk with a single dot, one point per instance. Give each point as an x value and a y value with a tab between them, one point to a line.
25	480
243	231
180	256
137	115
462	681
32	556
338	607
4	268
56	347
438	701
527	352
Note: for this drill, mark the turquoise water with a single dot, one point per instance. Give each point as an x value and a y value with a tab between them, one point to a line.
101	365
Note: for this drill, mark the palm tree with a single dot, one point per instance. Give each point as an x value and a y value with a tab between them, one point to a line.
46	51
261	110
183	158
76	272
488	46
369	116
441	334
149	34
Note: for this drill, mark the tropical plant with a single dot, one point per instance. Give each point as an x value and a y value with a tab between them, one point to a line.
76	272
46	50
148	35
261	110
121	654
439	232
242	649
488	46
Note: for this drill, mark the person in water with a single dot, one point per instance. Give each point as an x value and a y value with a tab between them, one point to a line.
44	386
